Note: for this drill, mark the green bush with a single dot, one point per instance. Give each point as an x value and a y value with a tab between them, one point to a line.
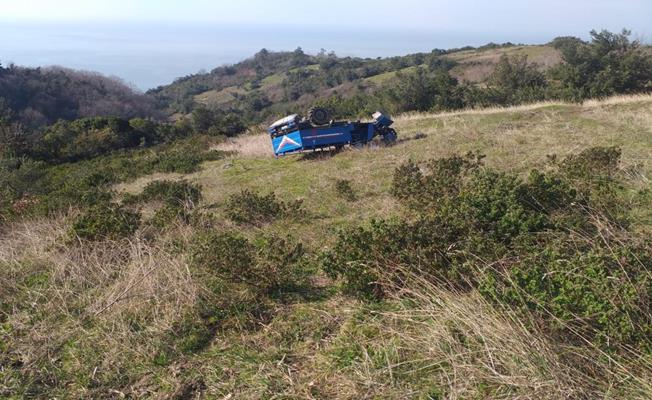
517	81
539	244
440	180
252	208
178	199
599	289
493	206
266	265
105	221
609	64
366	257
595	174
45	188
344	190
174	193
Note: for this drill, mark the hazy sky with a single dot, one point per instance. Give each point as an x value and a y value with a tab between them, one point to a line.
151	42
531	16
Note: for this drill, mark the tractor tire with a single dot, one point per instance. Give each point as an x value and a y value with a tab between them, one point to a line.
389	138
319	116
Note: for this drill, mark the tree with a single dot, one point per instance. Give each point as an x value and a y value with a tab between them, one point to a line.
447	93
517	81
413	92
423	91
202	119
299	58
609	64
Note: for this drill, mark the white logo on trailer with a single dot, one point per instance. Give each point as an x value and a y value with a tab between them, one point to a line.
286	141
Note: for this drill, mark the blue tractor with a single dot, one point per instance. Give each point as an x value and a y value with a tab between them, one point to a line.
317	132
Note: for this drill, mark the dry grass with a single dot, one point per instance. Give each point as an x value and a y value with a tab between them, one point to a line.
476	66
75	306
622	99
252	145
475	345
257	145
87	316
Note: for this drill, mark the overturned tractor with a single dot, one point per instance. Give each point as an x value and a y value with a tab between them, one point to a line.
318	132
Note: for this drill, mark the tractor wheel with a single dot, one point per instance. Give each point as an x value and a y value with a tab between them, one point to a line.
319	116
390	136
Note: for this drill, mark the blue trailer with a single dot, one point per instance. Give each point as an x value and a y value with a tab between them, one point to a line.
295	134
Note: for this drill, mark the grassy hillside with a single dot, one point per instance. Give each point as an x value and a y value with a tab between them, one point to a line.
36	97
296	80
144	316
514	139
269	84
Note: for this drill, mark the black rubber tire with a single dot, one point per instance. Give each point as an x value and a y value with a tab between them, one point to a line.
319	116
389	138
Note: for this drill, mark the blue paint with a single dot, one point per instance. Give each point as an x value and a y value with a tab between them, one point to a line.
291	135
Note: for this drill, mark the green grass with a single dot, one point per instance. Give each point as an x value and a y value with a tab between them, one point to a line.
385	77
271	80
219	97
513	141
104	317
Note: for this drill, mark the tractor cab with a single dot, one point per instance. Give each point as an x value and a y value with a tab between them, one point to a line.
285	125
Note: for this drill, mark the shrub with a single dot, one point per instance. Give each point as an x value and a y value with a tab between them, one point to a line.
593	163
526	243
267	265
443	179
105	221
252	208
492	205
517	81
344	190
178	198
240	278
51	188
594	173
596	288
365	257
174	193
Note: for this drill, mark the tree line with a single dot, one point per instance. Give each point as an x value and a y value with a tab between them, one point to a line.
607	65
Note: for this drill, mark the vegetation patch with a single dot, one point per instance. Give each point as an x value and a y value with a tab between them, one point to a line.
248	207
526	243
269	264
105	221
344	190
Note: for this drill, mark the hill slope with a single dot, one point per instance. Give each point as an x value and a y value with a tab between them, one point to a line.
36	97
514	139
142	317
274	83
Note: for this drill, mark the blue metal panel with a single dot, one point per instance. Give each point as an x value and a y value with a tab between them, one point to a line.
326	136
382	120
371	130
287	143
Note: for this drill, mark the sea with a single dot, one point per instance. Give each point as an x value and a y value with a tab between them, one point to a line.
151	54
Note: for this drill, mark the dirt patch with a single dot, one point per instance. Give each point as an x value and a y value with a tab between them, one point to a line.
249	146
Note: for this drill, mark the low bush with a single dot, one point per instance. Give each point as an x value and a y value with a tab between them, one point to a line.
45	189
252	208
344	190
105	221
438	181
526	243
178	199
174	193
266	265
599	290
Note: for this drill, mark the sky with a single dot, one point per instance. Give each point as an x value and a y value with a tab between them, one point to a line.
152	42
551	16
